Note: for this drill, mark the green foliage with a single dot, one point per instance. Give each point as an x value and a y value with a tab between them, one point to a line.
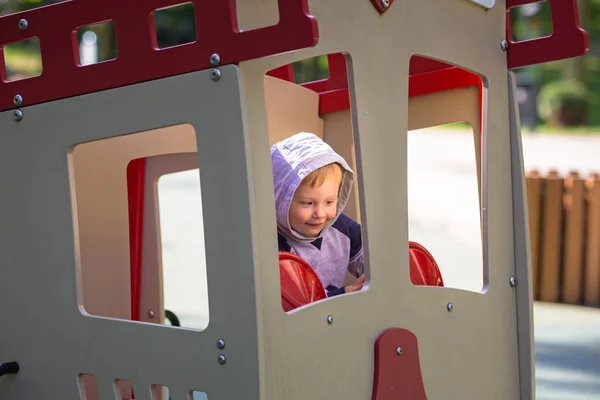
564	103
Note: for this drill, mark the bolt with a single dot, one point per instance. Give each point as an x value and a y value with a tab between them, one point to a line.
399	351
23	24
215	74
329	319
449	307
221	344
504	44
18	100
512	281
222	359
18	115
385	3
215	60
151	314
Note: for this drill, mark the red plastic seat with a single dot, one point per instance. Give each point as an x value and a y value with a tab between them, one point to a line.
300	285
424	271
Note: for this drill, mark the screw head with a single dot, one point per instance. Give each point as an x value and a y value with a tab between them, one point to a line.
215	60
151	314
18	100
18	115
330	319
512	281
23	24
215	74
399	351
449	307
504	44
221	344
385	3
222	359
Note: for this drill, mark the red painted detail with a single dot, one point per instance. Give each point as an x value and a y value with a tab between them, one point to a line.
379	6
567	40
397	376
285	72
135	193
426	76
424	271
139	59
333	101
419	65
441	80
300	285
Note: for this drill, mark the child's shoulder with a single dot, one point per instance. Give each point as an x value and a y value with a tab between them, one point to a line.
345	223
348	227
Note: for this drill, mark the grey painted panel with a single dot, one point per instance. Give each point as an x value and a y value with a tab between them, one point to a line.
47	334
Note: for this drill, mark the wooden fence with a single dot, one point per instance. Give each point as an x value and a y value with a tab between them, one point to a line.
564	221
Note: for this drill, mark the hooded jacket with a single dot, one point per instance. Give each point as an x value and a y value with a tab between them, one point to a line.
338	248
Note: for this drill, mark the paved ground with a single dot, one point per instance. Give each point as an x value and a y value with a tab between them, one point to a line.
443	216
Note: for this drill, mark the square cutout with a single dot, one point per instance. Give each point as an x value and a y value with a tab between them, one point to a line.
174	26
22	60
97	43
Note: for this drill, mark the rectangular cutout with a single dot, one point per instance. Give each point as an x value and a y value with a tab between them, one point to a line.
22	60
324	228
196	395
88	389
123	389
531	21
160	392
8	7
174	26
97	43
445	177
130	240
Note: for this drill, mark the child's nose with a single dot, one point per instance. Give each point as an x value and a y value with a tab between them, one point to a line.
319	212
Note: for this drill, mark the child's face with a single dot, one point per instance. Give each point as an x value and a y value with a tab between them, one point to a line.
313	208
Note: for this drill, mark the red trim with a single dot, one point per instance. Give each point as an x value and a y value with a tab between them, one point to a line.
286	73
568	39
135	191
334	96
139	60
397	376
379	7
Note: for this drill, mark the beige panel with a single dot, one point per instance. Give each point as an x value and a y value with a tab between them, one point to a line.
479	336
291	109
102	212
338	134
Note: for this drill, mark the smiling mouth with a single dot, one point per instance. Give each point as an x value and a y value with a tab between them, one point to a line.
314	225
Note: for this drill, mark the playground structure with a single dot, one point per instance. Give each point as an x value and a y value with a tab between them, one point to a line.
81	150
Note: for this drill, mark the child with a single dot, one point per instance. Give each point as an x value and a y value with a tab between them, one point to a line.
312	186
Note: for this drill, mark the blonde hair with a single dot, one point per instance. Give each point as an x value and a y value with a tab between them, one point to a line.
318	176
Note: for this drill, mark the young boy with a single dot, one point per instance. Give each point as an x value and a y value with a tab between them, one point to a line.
312	186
